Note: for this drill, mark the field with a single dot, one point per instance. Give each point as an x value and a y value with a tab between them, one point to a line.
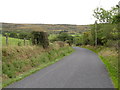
14	41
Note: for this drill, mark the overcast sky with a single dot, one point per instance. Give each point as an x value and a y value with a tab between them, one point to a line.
51	11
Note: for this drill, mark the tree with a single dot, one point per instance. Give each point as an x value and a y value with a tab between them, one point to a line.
102	15
13	34
86	38
78	40
65	38
116	15
108	26
116	19
107	16
40	38
23	35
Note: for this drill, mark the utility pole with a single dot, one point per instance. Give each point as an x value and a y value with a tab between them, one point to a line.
119	7
96	33
119	22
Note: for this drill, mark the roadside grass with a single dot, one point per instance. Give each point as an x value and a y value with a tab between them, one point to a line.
109	57
17	66
14	41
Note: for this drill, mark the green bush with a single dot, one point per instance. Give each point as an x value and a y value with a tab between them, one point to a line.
23	35
13	34
40	38
52	37
65	37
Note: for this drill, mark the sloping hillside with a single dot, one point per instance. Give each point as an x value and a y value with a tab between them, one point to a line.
46	27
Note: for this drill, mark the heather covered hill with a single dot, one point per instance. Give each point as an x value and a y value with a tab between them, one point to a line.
46	27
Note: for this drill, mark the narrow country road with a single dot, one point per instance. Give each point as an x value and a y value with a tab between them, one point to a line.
81	69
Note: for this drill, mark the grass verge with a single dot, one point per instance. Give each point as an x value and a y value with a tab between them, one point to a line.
17	70
109	57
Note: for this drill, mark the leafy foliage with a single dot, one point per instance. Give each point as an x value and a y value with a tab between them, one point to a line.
40	38
65	38
107	16
102	15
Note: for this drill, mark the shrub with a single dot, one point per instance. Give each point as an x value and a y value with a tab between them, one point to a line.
40	38
65	37
13	34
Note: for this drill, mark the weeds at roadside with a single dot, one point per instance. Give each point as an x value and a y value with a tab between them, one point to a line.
16	69
109	57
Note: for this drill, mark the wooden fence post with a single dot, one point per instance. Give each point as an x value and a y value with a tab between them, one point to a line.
6	40
35	41
24	42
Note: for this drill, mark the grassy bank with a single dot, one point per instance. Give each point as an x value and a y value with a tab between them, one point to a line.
19	62
109	57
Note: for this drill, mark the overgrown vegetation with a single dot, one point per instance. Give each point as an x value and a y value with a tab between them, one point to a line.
19	60
109	57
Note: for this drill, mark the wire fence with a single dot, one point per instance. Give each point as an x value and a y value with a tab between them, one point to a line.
8	41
